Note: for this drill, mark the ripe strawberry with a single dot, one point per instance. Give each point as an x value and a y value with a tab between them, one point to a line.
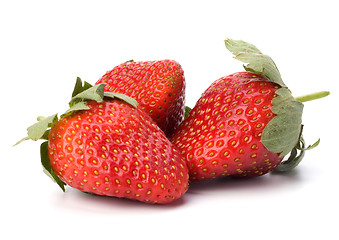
159	87
109	147
222	133
243	124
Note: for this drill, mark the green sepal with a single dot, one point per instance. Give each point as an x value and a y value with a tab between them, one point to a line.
76	107
123	97
79	87
187	111
83	93
95	93
282	133
295	158
257	62
45	135
309	146
38	130
47	166
22	140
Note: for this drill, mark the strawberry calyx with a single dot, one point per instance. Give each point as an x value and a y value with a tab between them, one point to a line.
257	62
283	134
296	154
82	93
187	111
87	92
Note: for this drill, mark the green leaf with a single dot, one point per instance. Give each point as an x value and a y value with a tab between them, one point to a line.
257	62
37	130
310	146
45	136
78	88
239	46
22	140
313	145
187	111
282	133
95	93
83	93
47	166
293	160
78	106
123	97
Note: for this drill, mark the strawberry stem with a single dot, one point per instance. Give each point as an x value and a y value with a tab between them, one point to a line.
312	96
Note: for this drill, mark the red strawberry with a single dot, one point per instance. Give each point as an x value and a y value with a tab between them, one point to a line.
244	123
109	147
159	87
222	133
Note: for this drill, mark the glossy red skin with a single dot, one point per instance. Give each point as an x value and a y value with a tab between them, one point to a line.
114	149
159	86
221	136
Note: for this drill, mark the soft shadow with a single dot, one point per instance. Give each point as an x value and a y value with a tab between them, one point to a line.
76	200
106	200
80	201
267	182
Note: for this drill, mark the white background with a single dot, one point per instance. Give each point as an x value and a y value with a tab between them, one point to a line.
45	45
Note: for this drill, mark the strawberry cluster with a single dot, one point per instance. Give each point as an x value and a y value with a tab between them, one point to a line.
131	136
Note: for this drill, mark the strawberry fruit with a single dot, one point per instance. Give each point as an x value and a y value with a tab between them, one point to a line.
245	123
222	133
159	87
106	144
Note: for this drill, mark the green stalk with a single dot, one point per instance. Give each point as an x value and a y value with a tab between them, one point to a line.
312	96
